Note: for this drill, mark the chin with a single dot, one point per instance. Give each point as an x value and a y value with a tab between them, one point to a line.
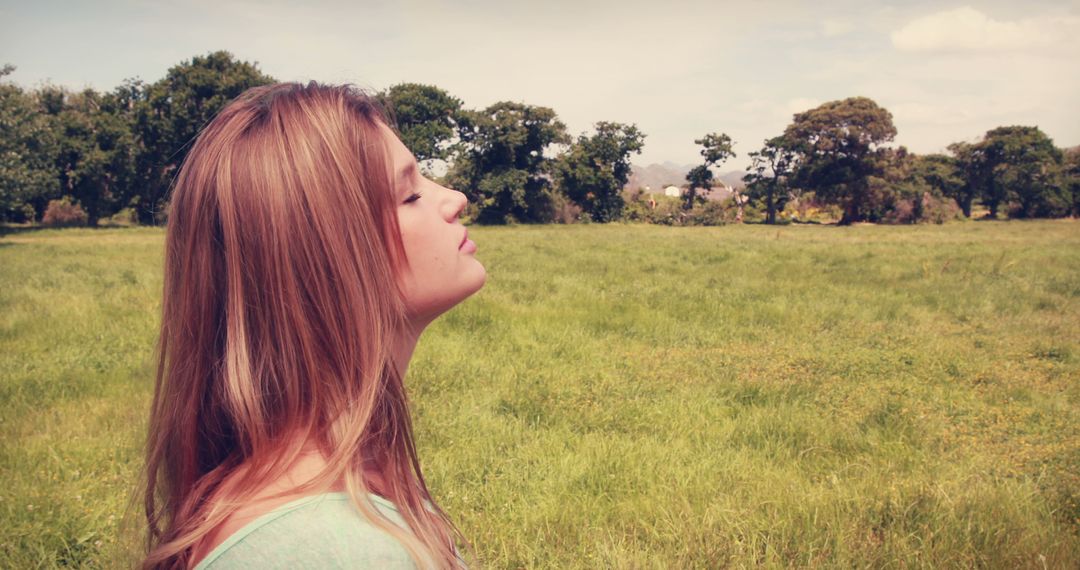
481	279
471	288
430	309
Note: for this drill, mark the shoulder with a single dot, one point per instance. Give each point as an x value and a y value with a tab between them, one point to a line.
323	531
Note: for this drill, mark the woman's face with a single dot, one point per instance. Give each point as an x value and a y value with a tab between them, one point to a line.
443	269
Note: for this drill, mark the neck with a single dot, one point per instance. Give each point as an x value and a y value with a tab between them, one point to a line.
405	344
311	461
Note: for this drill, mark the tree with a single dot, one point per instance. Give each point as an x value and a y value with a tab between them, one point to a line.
27	152
426	118
169	114
939	172
699	177
973	170
839	144
501	161
715	148
1025	170
919	181
95	159
595	169
768	175
915	188
1071	176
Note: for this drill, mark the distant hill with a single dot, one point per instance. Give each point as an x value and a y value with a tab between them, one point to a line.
733	178
657	176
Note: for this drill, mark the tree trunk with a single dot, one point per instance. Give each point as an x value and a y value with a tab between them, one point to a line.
1027	203
145	215
853	210
851	214
994	198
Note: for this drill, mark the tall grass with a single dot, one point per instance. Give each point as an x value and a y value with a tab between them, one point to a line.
636	396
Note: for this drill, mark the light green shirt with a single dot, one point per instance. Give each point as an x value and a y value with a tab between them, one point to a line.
320	531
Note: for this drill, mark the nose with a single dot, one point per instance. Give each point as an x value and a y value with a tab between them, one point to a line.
455	204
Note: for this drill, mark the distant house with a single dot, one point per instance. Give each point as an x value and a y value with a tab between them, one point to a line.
717	193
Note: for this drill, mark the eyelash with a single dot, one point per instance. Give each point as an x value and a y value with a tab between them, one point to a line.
413	198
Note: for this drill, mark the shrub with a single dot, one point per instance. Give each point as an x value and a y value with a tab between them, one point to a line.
652	209
565	211
927	208
161	214
63	213
753	212
125	217
711	213
668	211
26	213
806	208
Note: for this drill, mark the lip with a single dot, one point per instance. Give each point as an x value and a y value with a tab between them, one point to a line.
467	245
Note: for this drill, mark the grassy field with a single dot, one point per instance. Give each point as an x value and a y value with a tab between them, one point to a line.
635	396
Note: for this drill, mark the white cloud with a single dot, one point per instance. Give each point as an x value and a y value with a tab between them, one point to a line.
968	29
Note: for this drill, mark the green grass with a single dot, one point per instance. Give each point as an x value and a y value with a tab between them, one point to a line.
635	396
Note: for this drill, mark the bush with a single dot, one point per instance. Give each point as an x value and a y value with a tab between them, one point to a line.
472	211
927	208
807	209
710	213
650	208
125	217
565	211
752	212
64	213
668	211
161	214
26	213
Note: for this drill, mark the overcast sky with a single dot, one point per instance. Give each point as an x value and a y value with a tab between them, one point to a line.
946	71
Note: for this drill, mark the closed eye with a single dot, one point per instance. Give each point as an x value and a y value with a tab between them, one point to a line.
412	198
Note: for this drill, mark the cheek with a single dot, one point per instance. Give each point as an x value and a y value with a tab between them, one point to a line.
428	285
427	256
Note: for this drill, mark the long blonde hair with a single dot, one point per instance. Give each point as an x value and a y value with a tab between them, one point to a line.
281	299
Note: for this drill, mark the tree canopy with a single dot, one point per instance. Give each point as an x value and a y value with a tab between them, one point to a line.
426	118
767	178
716	148
168	114
503	163
840	148
97	153
594	170
1025	168
27	152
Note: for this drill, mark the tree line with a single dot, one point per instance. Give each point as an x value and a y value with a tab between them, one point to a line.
838	152
88	155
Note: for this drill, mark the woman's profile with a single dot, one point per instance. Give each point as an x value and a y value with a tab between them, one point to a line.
304	256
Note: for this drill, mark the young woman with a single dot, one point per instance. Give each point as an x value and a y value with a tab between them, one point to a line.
305	254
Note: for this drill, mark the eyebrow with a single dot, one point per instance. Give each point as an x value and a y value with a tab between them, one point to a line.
406	173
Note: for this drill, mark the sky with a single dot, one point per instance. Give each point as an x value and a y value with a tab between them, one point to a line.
678	70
